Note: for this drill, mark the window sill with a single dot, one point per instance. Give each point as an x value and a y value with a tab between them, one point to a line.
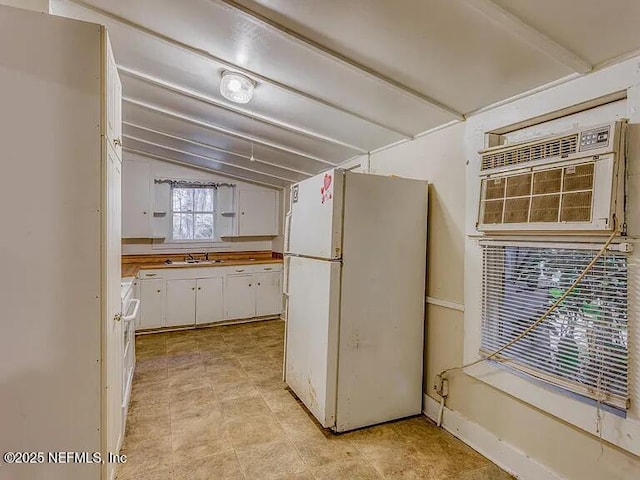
622	432
188	244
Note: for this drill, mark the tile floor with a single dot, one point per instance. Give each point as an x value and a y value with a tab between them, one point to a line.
210	404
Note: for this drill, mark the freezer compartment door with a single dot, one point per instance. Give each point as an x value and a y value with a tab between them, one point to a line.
315	225
382	307
312	335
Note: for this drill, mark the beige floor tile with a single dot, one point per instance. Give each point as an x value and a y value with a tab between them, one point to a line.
353	469
232	391
148	454
269	461
218	363
211	404
129	471
417	429
245	431
297	423
403	462
490	472
279	399
222	466
203	395
316	451
197	417
298	476
370	439
245	407
448	456
196	441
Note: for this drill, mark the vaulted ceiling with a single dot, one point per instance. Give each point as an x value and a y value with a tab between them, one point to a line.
335	78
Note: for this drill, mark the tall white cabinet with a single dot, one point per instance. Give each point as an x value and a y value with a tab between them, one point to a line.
61	335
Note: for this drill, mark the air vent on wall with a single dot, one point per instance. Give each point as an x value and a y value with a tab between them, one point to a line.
558	147
561	194
570	182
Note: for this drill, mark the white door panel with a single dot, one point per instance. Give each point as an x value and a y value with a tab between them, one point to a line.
315	226
151	304
114	334
209	300
312	334
239	298
258	212
268	293
136	195
181	302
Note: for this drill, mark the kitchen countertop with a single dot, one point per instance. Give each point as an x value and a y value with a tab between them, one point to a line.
132	264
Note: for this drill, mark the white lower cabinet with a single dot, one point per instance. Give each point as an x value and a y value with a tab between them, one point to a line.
268	293
151	304
209	300
181	303
239	296
198	296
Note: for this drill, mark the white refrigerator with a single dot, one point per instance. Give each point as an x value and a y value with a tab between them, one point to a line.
355	265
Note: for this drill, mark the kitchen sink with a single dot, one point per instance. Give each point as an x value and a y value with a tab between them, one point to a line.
194	262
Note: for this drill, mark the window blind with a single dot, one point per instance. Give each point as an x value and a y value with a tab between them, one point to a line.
583	345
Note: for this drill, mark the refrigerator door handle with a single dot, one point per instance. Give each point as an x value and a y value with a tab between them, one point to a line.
285	290
287	230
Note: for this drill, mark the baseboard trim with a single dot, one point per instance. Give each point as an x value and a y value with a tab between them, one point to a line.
503	454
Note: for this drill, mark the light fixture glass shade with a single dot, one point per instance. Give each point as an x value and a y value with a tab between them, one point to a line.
236	87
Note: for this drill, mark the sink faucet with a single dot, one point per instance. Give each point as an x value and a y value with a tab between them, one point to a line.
206	256
189	257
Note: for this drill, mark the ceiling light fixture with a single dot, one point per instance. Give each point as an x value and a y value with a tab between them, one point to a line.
236	87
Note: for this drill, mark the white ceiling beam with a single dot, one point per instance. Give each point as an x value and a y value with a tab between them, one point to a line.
338	57
530	35
205	157
255	75
180	90
217	149
199	167
226	131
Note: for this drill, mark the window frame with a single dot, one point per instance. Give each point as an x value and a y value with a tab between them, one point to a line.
498	327
620	429
193	213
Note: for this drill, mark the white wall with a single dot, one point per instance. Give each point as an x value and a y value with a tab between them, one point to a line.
161	169
36	5
278	242
442	158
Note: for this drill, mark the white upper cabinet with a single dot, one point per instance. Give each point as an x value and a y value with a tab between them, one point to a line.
136	212
257	213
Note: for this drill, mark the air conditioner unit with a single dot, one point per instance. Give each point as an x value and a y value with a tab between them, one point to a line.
572	182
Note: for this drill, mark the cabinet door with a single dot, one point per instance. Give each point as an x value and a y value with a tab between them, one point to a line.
257	212
268	293
113	327
113	103
239	296
152	294
136	196
209	300
181	302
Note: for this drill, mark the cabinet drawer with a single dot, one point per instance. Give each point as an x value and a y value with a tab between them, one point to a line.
151	274
269	268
